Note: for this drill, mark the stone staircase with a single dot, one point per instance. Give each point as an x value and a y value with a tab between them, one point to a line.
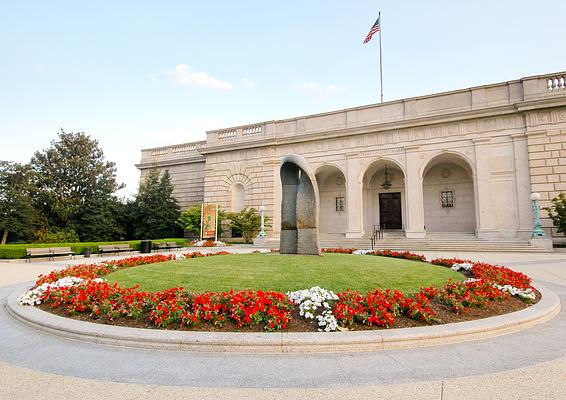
434	242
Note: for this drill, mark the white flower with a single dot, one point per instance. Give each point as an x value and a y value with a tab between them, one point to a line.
526	294
33	297
310	300
361	252
464	266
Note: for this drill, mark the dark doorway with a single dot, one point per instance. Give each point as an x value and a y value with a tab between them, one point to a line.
390	211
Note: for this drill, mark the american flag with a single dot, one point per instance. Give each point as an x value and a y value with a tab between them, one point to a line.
375	28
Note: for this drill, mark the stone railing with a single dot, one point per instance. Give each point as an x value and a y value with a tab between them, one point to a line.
236	134
556	83
186	150
400	112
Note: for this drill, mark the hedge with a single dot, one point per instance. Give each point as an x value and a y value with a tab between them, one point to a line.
19	250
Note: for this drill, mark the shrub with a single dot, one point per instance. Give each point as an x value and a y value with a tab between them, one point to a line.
557	212
11	251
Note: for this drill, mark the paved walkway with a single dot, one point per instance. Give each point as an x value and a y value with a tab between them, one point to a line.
484	369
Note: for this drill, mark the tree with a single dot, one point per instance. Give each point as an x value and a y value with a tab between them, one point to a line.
155	209
190	220
69	175
247	221
101	219
557	212
17	214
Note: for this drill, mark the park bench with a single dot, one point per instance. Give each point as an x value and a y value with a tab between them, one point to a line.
49	252
114	248
166	246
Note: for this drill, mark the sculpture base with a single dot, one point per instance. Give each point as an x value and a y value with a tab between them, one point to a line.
542	243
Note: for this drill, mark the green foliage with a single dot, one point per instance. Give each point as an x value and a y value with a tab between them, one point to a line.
190	220
19	250
557	212
247	221
17	214
101	219
155	211
68	175
58	236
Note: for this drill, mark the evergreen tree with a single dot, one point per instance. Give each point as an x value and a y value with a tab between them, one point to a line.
70	175
100	219
155	209
17	215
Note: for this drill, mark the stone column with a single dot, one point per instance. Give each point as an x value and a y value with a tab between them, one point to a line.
354	200
521	156
415	228
485	216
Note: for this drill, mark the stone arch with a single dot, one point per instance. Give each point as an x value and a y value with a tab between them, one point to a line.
299	207
449	195
364	169
332	186
238	186
384	207
457	155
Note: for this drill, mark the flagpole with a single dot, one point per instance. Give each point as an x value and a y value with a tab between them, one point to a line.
380	57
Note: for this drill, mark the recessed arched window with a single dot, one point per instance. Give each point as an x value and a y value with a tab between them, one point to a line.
238	197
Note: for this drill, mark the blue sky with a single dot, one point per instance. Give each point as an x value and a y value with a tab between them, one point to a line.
137	74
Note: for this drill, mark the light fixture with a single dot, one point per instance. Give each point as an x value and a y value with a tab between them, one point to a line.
386	184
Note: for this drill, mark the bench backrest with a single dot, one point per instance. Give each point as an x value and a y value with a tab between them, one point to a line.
38	251
161	244
61	250
171	244
122	247
106	247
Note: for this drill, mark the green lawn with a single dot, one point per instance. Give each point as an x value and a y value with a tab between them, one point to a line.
286	272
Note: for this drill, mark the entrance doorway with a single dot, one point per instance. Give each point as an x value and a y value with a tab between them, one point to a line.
390	210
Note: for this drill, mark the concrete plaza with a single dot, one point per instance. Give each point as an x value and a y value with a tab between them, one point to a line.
529	364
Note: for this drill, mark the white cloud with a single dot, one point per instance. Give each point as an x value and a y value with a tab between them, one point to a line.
247	83
183	75
317	87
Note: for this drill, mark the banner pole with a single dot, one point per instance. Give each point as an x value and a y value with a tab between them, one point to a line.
201	215
216	227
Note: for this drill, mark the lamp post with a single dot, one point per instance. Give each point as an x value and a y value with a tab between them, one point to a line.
537	228
262	233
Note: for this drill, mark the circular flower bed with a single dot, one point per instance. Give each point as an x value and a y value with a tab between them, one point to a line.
80	292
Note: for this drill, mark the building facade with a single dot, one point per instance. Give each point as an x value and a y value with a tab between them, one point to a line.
462	162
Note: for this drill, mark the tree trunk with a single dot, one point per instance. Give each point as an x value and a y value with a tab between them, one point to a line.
5	236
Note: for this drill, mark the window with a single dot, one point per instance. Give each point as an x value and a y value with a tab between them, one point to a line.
340	203
447	198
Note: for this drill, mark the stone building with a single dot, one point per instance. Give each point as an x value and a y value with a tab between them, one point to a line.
457	163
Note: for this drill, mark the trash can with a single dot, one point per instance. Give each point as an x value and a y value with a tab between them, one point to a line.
86	252
145	247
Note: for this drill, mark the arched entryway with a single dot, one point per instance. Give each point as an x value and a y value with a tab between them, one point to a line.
448	195
332	192
384	197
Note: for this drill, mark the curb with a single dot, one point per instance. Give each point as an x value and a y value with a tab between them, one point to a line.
285	342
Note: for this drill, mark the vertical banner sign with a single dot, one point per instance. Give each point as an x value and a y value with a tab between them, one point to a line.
209	215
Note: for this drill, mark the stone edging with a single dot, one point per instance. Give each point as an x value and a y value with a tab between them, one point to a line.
285	342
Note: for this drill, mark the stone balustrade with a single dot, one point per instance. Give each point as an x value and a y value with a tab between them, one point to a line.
389	115
399	112
179	151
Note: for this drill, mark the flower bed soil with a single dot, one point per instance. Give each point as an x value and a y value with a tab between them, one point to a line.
298	324
79	293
